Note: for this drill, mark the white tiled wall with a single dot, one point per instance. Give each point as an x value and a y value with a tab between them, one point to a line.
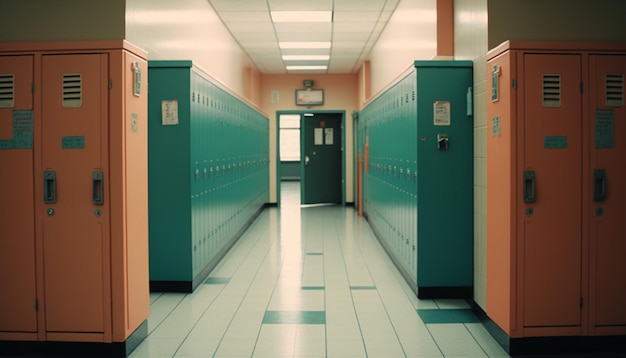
470	38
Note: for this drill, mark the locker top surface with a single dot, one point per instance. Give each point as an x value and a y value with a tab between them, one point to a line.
442	63
72	46
170	64
557	46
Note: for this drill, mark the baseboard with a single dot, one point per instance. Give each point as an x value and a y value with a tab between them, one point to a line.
76	349
190	285
463	292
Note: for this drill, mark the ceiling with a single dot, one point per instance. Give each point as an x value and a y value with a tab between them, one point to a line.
353	31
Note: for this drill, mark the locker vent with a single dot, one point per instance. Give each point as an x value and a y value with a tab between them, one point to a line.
72	90
7	91
614	84
552	90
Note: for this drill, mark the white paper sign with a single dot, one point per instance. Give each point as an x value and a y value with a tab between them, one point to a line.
441	112
169	112
328	136
318	136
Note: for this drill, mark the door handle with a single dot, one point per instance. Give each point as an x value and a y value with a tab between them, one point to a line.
307	159
599	185
529	186
98	188
49	186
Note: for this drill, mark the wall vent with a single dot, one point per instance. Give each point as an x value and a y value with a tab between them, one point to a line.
614	84
552	90
7	91
72	90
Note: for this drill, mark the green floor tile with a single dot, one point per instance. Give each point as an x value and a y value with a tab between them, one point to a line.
447	316
315	253
362	287
310	288
217	280
294	317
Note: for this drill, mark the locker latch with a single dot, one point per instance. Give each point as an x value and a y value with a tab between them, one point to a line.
442	142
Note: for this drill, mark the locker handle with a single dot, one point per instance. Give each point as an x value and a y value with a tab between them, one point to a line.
529	186
49	186
98	188
599	186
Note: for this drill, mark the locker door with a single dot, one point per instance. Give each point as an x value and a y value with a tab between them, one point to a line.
551	186
608	174
75	214
17	233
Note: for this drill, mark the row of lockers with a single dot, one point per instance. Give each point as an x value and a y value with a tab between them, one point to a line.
208	172
417	187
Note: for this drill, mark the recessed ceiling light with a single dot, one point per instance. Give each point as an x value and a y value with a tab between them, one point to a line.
305	68
304	44
302	16
306	57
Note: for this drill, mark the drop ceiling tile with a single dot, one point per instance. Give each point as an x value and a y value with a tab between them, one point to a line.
238	5
245	16
291	5
351	36
248	37
243	27
354	26
359	5
356	16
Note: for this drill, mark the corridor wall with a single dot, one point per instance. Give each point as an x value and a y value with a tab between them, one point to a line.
208	167
416	142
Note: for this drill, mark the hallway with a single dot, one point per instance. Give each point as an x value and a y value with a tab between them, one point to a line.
310	282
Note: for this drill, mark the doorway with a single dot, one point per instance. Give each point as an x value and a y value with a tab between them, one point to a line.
320	148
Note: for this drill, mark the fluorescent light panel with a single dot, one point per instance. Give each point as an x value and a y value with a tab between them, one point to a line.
304	45
302	16
305	68
306	57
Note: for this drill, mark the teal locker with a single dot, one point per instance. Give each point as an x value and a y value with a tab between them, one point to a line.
196	195
419	186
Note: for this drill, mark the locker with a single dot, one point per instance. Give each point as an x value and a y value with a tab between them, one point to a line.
552	141
417	191
197	192
17	234
76	239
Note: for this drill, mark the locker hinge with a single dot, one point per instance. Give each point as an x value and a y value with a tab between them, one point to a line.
582	87
110	83
514	84
581	303
36	305
32	87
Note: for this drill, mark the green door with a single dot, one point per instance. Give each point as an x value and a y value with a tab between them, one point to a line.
321	158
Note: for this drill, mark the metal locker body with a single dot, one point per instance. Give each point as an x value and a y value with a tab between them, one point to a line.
552	223
555	223
75	229
607	209
17	216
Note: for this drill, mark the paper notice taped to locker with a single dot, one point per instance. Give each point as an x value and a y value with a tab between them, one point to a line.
169	112
441	113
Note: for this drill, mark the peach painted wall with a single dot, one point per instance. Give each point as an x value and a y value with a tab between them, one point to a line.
189	30
340	93
410	35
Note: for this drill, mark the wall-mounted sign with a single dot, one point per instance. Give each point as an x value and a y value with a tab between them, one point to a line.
309	97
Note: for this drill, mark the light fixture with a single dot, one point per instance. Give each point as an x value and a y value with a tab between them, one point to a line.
306	57
305	68
302	16
304	45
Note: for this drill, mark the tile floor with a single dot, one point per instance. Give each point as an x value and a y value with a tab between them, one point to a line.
310	282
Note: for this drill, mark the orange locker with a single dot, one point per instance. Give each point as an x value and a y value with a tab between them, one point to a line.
555	139
73	146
